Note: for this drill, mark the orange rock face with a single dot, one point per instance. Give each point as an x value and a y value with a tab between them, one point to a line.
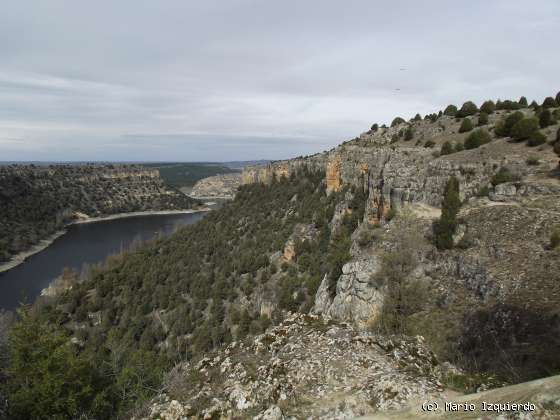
289	251
334	181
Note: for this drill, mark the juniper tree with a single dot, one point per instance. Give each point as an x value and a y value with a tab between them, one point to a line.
446	226
545	118
483	118
450	110
466	126
489	107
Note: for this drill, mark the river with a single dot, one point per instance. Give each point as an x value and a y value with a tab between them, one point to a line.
88	243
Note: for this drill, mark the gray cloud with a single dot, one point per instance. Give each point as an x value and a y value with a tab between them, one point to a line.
246	79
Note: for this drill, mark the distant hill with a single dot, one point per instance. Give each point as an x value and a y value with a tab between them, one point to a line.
37	201
186	174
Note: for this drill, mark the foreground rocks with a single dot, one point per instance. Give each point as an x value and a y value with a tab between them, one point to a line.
304	368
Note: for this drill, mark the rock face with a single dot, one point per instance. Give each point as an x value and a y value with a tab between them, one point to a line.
266	173
333	174
301	233
219	186
356	298
303	368
397	175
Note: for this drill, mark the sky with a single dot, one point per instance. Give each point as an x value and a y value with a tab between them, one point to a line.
179	80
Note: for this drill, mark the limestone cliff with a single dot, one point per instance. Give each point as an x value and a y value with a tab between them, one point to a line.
397	175
218	186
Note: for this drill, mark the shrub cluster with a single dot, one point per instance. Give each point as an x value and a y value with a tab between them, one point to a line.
504	126
524	129
482	118
450	110
477	138
446	148
397	121
502	176
507	105
488	107
469	108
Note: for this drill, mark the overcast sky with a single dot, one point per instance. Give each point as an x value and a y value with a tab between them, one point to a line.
240	79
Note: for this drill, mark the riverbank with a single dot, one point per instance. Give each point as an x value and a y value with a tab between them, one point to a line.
45	243
135	214
22	256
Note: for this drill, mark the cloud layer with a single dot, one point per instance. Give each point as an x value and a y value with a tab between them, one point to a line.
242	79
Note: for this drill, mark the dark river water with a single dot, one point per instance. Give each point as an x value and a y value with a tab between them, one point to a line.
85	243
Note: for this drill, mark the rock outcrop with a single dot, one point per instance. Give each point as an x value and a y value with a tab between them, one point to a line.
219	186
303	368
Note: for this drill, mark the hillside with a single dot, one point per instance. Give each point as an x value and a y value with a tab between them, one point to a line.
36	201
425	256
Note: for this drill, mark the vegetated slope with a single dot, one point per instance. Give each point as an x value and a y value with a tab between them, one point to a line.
36	201
180	174
351	234
219	279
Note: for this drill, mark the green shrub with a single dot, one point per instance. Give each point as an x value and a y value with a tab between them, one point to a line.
556	147
534	105
397	121
459	146
523	102
429	144
549	102
409	134
446	226
446	148
488	107
466	126
503	128
477	138
545	118
417	117
468	109
374	128
502	176
483	119
525	128
536	139
483	191
558	98
450	110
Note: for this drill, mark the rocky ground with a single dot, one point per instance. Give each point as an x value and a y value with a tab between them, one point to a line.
305	367
311	368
